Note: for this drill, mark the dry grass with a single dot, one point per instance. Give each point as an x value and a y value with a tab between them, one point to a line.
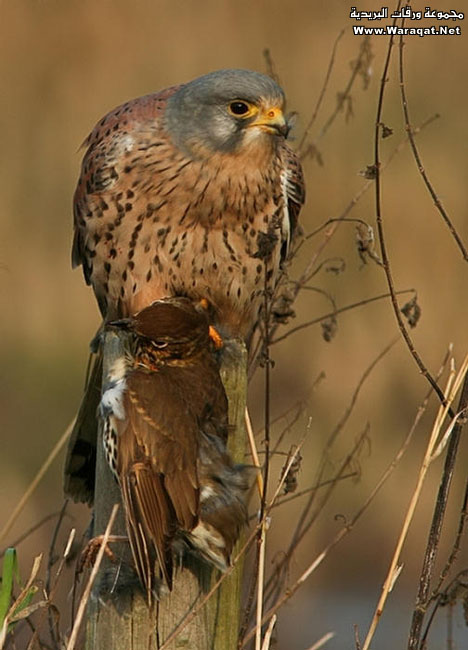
62	66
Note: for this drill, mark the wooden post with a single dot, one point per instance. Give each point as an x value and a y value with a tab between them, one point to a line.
119	618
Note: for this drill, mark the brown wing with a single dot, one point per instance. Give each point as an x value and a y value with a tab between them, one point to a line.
105	167
158	449
80	461
293	185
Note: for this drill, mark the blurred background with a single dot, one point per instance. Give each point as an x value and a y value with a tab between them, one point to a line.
63	65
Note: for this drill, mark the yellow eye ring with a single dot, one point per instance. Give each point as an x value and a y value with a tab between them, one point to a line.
241	108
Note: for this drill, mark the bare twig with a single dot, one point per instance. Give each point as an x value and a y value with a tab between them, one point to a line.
37	479
336	222
436	524
357	641
76	574
453	385
302	527
270	66
417	158
456	544
300	407
378	211
87	591
341	310
251	588
261	540
31	530
277	579
50	563
332	226
291	590
322	641
201	603
253	451
305	521
268	633
50	594
345	95
260	487
311	122
317	486
439	596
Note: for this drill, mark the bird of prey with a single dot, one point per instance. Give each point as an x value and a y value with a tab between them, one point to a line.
191	191
165	430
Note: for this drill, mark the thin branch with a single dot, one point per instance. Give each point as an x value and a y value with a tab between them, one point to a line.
31	530
321	94
340	219
261	540
300	408
260	486
275	583
378	210
37	479
260	584
341	310
87	591
358	196
441	597
453	385
270	66
50	594
194	611
201	603
303	525
436	524
291	590
322	641
77	571
419	164
342	97
268	633
50	563
317	486
457	590
456	545
349	409
253	451
334	224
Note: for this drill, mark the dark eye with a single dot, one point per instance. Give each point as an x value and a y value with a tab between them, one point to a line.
239	108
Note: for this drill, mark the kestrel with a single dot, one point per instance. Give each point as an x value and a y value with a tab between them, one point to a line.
191	191
165	431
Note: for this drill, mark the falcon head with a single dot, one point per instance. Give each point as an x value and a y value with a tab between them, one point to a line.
226	110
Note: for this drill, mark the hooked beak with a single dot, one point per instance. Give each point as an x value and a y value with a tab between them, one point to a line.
272	120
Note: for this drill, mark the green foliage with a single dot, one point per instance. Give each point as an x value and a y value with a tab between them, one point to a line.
10	575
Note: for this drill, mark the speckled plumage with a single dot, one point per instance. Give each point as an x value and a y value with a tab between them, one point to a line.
165	432
175	195
163	207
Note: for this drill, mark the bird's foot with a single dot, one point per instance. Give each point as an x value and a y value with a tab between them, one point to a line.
215	336
90	551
